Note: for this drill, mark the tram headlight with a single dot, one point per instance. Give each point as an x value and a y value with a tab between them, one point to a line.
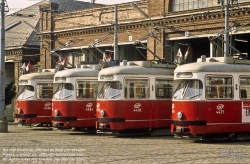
102	113
56	112
19	110
179	115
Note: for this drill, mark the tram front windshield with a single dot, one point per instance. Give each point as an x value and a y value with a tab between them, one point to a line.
188	89
63	91
27	92
110	90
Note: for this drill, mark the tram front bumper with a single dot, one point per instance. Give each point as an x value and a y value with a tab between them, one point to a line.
26	115
25	118
188	123
60	118
61	122
184	128
110	123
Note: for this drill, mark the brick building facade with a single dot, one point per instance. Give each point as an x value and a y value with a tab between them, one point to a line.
73	33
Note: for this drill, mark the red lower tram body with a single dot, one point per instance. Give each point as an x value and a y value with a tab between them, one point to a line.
211	119
120	115
34	111
74	114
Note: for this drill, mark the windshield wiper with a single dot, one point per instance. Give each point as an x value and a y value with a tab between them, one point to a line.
68	96
115	96
193	96
29	97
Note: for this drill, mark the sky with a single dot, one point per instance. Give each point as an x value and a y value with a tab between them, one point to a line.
15	5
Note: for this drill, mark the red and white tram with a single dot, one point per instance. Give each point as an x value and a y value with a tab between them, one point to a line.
212	99
74	99
35	96
135	97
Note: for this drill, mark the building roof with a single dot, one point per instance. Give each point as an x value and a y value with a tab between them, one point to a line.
20	25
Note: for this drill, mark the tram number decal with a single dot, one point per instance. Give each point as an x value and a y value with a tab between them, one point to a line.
89	107
137	107
47	106
220	109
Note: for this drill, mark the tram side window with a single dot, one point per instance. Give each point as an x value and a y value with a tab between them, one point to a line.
86	89
44	90
244	88
219	87
136	88
164	88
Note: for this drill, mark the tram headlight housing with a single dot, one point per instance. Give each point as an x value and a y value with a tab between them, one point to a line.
56	112
102	113
179	115
19	110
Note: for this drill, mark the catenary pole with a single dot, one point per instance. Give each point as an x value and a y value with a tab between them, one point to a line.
116	55
3	122
226	38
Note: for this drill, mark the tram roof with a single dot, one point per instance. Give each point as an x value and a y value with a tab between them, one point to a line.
135	70
212	67
87	72
38	75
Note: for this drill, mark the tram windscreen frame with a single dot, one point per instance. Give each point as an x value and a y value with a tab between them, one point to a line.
110	90
26	92
188	89
63	91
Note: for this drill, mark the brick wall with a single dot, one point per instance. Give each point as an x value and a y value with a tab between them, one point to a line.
158	8
90	24
83	27
102	16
